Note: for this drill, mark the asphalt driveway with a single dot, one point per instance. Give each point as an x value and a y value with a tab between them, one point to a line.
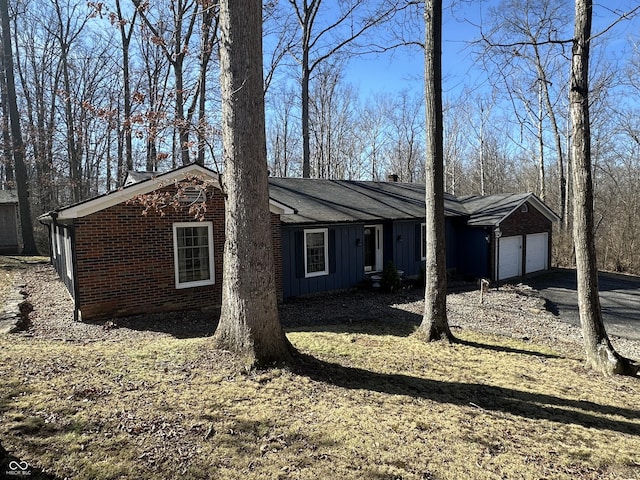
619	298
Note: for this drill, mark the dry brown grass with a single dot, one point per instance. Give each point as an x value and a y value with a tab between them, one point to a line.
361	402
6	280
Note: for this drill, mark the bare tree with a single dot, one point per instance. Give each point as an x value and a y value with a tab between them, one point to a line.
152	122
67	28
435	325
249	323
372	132
331	114
40	75
175	46
321	40
284	138
406	137
22	182
125	27
525	49
601	355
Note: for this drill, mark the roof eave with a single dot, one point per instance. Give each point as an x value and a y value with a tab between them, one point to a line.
127	193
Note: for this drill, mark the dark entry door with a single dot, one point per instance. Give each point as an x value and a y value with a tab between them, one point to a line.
373	248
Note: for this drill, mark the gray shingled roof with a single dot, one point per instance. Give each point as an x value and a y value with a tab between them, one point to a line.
490	210
343	201
8	196
331	201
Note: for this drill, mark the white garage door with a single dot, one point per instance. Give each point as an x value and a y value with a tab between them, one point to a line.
537	252
510	257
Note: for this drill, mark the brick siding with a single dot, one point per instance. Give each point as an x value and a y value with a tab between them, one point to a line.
522	223
125	261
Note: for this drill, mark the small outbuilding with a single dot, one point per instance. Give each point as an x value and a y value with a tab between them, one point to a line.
10	239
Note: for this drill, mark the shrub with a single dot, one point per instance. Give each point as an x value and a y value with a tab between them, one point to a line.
390	278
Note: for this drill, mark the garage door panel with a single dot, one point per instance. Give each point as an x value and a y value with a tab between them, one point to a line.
537	253
510	257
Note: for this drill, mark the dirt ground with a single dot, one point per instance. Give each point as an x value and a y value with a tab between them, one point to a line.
512	310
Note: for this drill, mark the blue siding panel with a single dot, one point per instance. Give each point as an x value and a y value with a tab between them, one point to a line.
473	252
451	243
406	242
401	246
348	256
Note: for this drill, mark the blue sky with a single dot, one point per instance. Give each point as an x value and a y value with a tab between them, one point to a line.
403	69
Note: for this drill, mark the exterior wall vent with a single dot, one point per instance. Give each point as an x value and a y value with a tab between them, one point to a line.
192	195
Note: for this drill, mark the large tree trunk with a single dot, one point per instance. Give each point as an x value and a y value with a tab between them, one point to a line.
435	325
601	355
249	322
22	181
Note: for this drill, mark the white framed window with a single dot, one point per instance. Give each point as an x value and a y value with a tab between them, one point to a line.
58	234
423	241
316	252
193	254
68	253
54	250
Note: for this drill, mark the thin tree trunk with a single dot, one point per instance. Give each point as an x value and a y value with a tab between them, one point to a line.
435	325
601	355
566	220
7	158
544	83
125	38
22	181
306	149
541	176
249	322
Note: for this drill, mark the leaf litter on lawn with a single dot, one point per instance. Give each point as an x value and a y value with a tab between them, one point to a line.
355	405
364	399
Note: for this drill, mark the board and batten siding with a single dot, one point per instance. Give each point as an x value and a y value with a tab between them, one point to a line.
473	252
62	241
346	260
407	253
406	247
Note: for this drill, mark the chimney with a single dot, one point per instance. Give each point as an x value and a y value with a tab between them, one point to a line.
392	178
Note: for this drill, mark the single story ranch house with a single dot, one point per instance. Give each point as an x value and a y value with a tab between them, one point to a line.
327	235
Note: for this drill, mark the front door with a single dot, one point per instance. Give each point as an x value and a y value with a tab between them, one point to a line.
373	248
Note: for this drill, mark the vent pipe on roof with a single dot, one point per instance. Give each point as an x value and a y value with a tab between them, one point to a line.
392	178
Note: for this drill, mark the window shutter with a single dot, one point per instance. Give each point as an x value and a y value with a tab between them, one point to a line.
332	251
299	253
418	249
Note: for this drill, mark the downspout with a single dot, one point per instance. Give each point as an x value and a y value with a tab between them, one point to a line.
497	233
